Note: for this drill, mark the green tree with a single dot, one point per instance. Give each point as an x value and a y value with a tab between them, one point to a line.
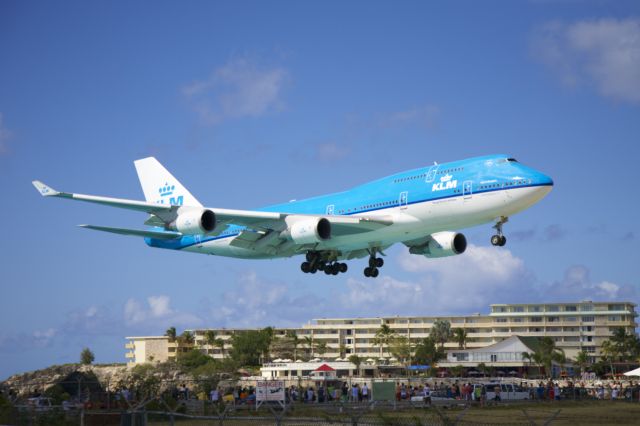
441	332
249	347
171	333
460	336
310	344
357	361
212	339
342	349
428	353
267	335
546	354
383	336
400	347
86	356
457	370
295	342
582	360
321	349
193	359
482	367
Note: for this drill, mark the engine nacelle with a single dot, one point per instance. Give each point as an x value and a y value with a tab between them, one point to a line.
194	222
307	230
441	244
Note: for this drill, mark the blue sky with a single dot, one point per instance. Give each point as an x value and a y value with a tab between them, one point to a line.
251	103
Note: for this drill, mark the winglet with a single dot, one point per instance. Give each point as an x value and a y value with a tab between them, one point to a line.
44	190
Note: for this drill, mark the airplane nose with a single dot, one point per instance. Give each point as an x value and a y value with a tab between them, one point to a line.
545	180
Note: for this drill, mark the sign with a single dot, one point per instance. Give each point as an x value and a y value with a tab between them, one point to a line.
269	391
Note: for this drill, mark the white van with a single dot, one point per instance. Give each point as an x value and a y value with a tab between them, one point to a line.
506	391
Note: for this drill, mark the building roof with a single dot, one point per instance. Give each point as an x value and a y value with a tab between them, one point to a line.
324	367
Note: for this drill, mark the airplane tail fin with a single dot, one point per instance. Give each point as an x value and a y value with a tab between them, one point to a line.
159	186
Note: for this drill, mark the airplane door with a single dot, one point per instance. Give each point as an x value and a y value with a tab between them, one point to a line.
331	209
403	200
467	189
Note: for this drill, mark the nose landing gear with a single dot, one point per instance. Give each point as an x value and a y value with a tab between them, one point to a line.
499	239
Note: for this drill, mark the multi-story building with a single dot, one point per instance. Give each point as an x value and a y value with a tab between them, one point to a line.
574	327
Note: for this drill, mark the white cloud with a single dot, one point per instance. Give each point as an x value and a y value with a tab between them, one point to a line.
237	89
157	312
470	282
604	53
331	151
4	136
255	302
425	116
577	285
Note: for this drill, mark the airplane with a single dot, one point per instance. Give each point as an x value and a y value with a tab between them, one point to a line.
419	208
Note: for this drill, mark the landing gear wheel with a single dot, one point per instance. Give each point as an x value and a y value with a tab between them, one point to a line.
310	256
321	266
367	272
343	267
496	240
374	272
379	262
306	267
503	241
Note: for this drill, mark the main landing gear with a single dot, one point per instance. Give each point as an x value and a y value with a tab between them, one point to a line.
499	239
374	263
316	262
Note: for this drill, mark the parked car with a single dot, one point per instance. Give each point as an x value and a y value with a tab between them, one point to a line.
39	403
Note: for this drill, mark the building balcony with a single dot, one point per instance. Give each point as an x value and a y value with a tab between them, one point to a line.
129	355
130	346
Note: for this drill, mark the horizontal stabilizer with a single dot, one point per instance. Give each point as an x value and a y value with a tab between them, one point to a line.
161	235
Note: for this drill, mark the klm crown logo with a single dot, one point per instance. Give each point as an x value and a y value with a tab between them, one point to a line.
166	191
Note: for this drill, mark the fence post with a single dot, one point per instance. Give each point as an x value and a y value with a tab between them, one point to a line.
82	417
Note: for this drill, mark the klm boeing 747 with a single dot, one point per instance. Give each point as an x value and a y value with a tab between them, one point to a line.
419	208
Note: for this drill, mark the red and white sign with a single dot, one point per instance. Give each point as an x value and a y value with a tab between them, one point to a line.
270	390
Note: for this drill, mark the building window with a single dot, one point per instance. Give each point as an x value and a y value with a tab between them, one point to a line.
588	319
461	356
535	319
616	307
553	308
518	309
571	319
501	320
570	308
586	307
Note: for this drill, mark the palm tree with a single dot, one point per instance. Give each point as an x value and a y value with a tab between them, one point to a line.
441	332
460	336
342	349
308	341
295	341
219	343
210	337
383	336
356	360
171	333
321	348
582	360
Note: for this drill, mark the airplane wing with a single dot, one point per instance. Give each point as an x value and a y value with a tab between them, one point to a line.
160	235
264	226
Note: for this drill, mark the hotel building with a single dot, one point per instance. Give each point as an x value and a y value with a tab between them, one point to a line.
575	327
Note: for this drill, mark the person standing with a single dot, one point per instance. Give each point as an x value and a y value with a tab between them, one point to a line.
365	392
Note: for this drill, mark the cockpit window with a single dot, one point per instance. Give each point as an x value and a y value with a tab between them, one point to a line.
512	160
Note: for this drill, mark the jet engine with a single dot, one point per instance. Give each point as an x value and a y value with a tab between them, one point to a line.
195	221
441	244
307	230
